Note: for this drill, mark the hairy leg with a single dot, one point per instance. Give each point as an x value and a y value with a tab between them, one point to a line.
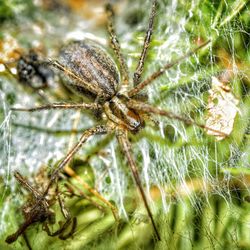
24	183
140	106
40	209
115	44
92	106
100	129
65	225
93	151
160	72
140	65
126	148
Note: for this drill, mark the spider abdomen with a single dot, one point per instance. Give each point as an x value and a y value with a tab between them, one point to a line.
97	73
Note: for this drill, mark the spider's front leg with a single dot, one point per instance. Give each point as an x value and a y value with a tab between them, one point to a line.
126	148
147	40
149	109
115	44
100	129
63	226
88	133
140	86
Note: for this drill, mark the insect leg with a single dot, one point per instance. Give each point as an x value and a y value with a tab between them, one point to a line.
93	191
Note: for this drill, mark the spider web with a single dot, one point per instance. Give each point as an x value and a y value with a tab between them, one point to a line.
178	159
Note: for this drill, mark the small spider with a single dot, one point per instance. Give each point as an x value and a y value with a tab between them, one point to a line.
31	72
93	74
39	211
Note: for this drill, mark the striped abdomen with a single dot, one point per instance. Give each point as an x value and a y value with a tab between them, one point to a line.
97	72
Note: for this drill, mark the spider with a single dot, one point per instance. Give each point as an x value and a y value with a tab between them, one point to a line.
32	72
118	102
39	211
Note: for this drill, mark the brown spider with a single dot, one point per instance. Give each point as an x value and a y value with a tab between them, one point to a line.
39	211
93	73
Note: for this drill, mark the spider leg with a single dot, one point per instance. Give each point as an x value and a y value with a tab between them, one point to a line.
60	231
115	43
39	212
66	224
140	106
93	191
160	72
92	106
27	241
63	227
13	237
100	129
64	210
140	65
68	218
70	233
126	148
27	185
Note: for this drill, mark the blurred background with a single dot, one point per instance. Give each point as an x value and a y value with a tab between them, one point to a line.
197	182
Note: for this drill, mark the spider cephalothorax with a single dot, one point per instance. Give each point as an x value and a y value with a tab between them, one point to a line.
93	74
